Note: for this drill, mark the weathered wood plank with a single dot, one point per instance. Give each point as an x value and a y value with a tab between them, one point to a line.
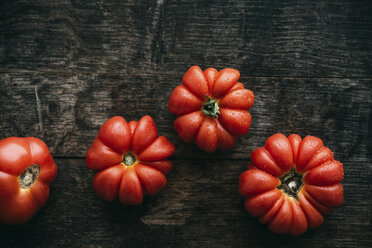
74	106
261	38
200	207
67	66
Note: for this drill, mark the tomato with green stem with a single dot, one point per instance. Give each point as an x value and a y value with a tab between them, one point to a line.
212	108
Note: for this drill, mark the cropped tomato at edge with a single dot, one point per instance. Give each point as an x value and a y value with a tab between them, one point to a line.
291	183
26	170
212	108
130	159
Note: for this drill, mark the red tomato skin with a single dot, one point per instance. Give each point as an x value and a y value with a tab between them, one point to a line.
129	183
282	221
280	150
107	182
187	126
253	182
321	208
259	204
207	138
235	121
321	189
262	159
308	148
195	81
210	74
183	101
225	79
115	134
18	205
238	99
194	125
130	191
225	139
299	222
144	134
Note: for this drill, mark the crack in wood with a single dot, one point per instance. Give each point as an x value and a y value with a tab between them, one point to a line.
39	113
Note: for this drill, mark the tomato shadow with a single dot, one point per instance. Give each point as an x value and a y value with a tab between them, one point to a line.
25	234
265	238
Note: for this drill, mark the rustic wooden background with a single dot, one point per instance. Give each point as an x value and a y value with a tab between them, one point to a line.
67	66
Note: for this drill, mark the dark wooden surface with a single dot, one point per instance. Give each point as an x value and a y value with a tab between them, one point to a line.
67	66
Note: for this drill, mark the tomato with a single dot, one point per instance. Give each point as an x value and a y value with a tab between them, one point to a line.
26	170
291	183
212	108
130	159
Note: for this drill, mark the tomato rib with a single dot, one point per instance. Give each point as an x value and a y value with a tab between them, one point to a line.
226	78
210	74
295	141
226	140
187	126
100	156
107	182
330	196
318	206
237	86
323	155
262	159
253	182
314	218
299	221
281	222
269	215
152	180
207	136
196	82
325	174
130	191
159	149
235	121
164	166
238	99
182	101
280	151
115	133
144	135
308	149
258	205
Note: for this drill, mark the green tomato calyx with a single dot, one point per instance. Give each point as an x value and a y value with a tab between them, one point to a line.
211	107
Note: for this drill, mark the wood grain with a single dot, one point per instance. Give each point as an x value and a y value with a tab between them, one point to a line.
261	38
200	207
73	107
67	66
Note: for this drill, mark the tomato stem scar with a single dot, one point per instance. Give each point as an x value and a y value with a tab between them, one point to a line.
211	107
291	183
129	159
29	176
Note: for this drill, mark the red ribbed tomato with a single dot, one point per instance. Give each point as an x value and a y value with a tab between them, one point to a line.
26	170
212	108
291	183
130	159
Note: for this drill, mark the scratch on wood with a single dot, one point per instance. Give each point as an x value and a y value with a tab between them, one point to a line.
59	141
156	31
149	220
38	107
